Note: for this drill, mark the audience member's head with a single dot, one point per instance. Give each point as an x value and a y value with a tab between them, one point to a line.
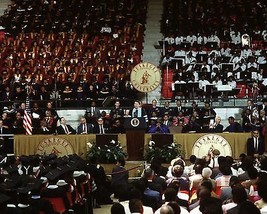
192	159
225	169
148	173
206	173
135	206
210	205
170	194
166	209
175	207
177	171
117	208
239	194
203	193
207	184
252	173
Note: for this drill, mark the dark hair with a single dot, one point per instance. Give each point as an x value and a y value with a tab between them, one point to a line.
233	180
225	169
210	205
192	159
207	183
170	194
117	208
135	205
239	193
175	207
252	173
121	161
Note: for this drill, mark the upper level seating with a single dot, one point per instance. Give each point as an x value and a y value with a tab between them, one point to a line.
216	39
72	43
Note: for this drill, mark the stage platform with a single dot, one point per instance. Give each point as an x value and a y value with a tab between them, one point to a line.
68	144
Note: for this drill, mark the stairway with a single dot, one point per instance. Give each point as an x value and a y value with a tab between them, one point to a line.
152	36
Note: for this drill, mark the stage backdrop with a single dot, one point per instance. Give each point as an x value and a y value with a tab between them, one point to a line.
68	144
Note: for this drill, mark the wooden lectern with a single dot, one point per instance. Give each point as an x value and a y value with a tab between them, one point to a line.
135	129
162	139
104	139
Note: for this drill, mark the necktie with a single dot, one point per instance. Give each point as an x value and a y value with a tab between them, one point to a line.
135	113
66	129
102	131
256	145
84	128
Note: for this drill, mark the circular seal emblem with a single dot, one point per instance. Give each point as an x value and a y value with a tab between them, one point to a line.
135	122
145	77
207	143
55	145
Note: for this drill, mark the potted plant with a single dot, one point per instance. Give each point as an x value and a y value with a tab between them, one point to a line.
109	153
168	152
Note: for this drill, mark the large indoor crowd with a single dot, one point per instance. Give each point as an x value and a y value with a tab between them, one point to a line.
214	184
75	50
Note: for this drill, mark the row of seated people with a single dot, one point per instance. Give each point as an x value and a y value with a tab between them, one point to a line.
216	56
84	61
50	184
159	119
212	184
217	17
56	16
68	91
213	41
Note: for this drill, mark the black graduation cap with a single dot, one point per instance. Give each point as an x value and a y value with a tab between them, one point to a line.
11	170
25	160
54	174
4	198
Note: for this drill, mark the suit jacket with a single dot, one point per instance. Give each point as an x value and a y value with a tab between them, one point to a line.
251	150
90	128
60	130
96	129
176	111
217	129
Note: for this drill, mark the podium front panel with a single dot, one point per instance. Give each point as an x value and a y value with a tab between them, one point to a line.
134	123
103	139
162	139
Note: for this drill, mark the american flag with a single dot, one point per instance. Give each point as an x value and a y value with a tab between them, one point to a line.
27	121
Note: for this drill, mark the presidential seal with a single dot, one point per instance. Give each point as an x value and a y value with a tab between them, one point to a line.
145	77
206	144
55	145
135	122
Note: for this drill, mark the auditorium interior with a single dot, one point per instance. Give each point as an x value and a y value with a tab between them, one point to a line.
66	84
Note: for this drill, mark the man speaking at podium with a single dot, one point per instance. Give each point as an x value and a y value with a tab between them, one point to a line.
138	111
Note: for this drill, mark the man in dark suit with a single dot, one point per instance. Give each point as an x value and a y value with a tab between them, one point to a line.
64	128
100	128
178	108
255	145
84	128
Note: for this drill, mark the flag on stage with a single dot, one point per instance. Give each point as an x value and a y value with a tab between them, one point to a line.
27	121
